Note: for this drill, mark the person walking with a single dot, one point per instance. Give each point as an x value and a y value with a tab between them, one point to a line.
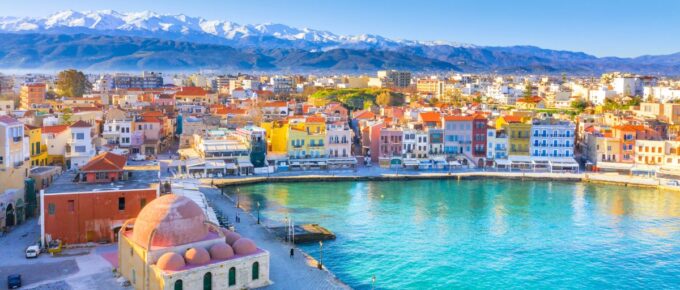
292	252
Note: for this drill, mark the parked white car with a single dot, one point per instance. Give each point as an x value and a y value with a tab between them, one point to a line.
32	251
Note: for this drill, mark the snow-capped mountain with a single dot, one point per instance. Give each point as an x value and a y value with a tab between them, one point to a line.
196	29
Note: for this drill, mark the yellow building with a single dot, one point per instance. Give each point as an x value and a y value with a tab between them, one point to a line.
38	150
518	138
306	139
277	136
504	120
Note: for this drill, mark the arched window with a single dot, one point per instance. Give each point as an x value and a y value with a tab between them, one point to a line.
179	285
207	281
232	276
256	270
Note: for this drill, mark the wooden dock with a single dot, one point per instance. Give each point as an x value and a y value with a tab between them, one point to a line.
307	233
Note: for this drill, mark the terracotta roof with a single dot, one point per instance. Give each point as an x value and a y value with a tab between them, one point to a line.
512	119
275	104
629	127
459	118
191	91
534	99
317	119
430	116
364	115
105	162
54	129
80	124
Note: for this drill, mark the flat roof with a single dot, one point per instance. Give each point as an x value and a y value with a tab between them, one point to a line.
140	179
42	169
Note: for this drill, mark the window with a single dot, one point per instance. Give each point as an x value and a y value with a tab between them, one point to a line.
178	285
134	277
51	208
121	203
256	270
100	175
80	149
207	281
80	136
232	276
71	205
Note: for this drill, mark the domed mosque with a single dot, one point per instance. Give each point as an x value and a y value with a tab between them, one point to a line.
171	245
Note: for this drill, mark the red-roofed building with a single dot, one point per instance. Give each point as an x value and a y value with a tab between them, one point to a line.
430	119
105	167
195	95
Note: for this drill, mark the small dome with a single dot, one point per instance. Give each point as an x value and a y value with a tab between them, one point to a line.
221	251
170	261
244	246
231	237
177	220
197	256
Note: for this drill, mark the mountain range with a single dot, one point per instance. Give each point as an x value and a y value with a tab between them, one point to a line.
110	40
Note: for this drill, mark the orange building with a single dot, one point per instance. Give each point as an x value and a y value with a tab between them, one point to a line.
77	209
32	94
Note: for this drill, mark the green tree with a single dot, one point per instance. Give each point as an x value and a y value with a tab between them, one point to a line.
579	105
72	83
387	98
66	115
528	90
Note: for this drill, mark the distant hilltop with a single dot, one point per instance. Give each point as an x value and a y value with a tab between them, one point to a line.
106	39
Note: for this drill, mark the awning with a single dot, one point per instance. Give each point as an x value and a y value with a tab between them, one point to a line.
411	162
230	166
245	164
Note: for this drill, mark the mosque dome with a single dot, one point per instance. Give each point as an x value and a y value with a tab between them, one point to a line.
176	220
221	251
170	261
231	237
244	246
197	256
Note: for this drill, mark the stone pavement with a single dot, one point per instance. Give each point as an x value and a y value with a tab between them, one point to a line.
298	273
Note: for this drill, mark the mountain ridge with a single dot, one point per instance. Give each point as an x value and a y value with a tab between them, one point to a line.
108	39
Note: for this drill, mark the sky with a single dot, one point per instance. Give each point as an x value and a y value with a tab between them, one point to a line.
622	28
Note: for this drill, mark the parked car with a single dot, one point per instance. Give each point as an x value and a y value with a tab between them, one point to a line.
673	183
14	281
32	251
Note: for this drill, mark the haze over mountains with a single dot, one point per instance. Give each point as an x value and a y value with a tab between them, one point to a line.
109	40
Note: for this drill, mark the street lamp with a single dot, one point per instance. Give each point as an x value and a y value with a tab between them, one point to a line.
258	212
320	264
238	199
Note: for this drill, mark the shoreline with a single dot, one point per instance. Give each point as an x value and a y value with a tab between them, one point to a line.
291	274
596	178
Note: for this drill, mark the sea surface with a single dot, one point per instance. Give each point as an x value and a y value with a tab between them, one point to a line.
485	234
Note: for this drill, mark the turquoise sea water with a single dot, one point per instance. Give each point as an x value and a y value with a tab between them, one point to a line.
485	234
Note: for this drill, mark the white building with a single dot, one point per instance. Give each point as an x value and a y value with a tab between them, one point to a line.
79	149
497	144
552	138
338	140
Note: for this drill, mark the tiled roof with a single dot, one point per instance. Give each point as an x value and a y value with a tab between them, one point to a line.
316	119
629	127
459	118
105	162
191	91
430	116
54	129
80	124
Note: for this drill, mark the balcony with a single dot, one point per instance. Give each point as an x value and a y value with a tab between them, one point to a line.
18	164
17	138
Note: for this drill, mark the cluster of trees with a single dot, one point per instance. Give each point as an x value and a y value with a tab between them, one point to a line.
72	83
359	98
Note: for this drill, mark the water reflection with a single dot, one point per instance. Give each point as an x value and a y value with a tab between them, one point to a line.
485	233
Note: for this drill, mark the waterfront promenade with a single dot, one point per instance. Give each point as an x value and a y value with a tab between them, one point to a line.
299	272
